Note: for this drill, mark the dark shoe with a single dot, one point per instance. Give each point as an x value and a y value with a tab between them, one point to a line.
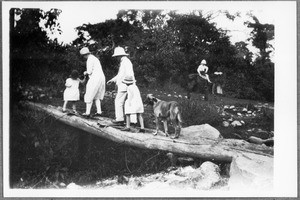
117	122
142	131
85	115
125	129
97	115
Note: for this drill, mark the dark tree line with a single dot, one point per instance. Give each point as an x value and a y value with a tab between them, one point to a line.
164	48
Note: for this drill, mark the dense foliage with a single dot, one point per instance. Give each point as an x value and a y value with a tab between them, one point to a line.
164	48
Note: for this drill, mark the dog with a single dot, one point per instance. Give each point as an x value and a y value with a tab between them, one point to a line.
165	111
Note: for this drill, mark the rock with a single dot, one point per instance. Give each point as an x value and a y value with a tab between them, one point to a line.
73	186
231	107
251	172
198	131
256	140
225	124
204	178
249	111
179	96
244	110
62	184
226	107
239	114
236	123
169	95
210	175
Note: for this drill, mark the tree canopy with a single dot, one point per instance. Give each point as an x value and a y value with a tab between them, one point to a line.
165	47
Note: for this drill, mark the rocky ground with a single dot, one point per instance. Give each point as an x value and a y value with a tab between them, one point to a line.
233	118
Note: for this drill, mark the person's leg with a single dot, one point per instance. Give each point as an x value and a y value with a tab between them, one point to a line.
88	108
127	128
98	106
119	104
65	106
74	107
128	121
207	77
141	120
213	88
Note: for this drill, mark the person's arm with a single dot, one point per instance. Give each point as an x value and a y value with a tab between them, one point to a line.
68	83
83	80
199	70
206	69
120	74
89	66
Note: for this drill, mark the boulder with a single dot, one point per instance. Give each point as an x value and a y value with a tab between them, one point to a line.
210	176
73	186
203	178
251	172
236	123
204	130
225	124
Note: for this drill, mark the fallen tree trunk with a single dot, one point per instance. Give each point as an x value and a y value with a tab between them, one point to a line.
222	150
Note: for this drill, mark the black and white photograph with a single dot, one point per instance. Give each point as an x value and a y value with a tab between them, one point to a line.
179	99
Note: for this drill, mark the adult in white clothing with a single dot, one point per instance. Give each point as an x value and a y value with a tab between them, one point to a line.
202	71
95	87
125	69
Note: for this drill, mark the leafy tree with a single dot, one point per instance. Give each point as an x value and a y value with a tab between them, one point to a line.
263	73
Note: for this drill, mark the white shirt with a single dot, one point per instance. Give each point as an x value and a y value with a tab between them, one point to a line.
202	68
94	68
125	69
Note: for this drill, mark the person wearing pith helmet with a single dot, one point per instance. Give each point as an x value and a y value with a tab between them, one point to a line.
202	70
95	87
125	69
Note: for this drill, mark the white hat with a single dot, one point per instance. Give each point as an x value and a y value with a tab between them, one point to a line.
203	62
119	51
84	51
128	80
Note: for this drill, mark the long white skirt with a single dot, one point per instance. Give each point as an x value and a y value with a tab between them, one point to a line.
95	89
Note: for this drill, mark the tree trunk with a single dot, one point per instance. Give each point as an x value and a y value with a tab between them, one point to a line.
222	150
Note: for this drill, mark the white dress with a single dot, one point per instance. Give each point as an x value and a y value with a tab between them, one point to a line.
95	87
71	92
133	103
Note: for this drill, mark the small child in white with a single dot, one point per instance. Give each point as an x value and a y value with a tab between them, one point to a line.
71	92
133	103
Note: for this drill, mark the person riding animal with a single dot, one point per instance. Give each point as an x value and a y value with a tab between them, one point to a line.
202	71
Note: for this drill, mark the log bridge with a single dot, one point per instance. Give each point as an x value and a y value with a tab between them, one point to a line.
220	149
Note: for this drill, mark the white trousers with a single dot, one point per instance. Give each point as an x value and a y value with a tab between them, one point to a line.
119	107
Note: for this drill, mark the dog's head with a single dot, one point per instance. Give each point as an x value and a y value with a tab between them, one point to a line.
150	100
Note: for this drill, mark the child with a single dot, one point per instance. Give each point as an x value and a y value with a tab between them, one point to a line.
71	92
133	103
202	70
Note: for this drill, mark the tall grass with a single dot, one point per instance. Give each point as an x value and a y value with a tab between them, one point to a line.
196	112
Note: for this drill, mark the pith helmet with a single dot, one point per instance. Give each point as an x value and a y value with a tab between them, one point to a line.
119	51
203	62
84	51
